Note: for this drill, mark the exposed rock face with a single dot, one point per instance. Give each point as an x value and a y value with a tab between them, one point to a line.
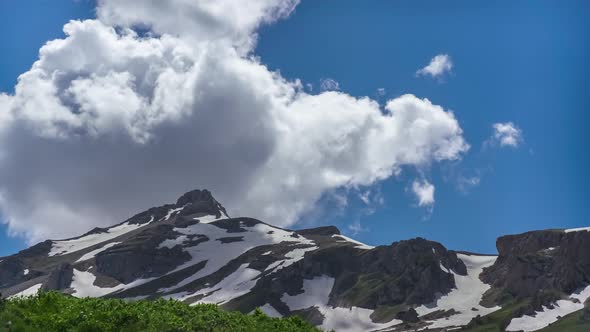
540	264
405	272
319	231
200	201
410	316
60	277
141	256
11	271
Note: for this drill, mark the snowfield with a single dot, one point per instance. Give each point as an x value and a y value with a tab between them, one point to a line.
316	293
83	285
543	318
235	285
31	291
581	229
69	246
465	297
217	254
359	245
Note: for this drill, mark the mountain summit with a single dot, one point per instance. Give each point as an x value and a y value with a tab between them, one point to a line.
193	251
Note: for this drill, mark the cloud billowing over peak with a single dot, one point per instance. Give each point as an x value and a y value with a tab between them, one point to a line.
109	121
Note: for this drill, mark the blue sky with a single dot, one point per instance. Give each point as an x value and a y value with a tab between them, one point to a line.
513	61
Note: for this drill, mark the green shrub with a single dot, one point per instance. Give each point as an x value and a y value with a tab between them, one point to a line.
53	311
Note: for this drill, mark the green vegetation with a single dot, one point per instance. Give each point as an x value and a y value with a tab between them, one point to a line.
52	311
384	314
496	321
573	322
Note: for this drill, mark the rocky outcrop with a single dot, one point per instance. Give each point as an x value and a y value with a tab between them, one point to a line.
543	265
11	271
60	277
141	256
406	272
200	201
319	231
410	316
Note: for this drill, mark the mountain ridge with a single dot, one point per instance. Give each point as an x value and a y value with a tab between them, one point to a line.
193	251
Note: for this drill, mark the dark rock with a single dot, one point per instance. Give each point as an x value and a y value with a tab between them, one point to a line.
194	240
312	315
543	265
230	239
40	249
235	225
410	316
320	231
405	272
11	271
153	214
200	201
140	256
60	278
184	222
167	280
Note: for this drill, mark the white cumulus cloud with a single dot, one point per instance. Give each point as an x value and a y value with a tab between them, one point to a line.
424	192
438	65
507	134
108	122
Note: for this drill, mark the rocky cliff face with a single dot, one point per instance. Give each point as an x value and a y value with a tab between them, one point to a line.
193	251
543	265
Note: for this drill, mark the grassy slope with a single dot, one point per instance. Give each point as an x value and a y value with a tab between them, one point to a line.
569	323
52	311
496	321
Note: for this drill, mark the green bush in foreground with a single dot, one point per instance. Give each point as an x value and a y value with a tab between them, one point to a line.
52	311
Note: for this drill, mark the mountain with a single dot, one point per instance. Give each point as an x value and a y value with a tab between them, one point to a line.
193	251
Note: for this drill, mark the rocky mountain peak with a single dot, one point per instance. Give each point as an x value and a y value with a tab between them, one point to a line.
200	201
195	196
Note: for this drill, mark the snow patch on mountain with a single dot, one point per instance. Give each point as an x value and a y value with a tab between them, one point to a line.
360	245
31	291
171	212
65	247
235	285
290	258
581	229
465	297
352	319
543	318
210	218
316	293
83	285
217	255
95	252
171	243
